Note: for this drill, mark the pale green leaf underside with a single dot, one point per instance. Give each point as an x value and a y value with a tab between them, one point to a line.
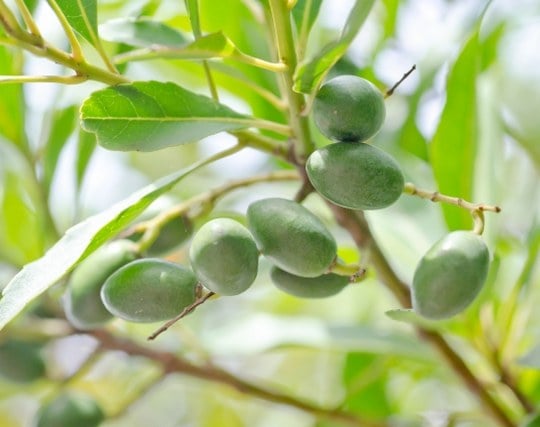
78	242
82	16
148	116
140	32
310	74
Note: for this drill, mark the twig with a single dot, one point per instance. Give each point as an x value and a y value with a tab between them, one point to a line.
390	91
173	363
189	309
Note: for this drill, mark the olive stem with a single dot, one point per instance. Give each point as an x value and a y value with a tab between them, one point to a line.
476	209
152	227
76	49
28	19
189	309
390	91
173	363
354	271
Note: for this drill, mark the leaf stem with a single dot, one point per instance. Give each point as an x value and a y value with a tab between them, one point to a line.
66	80
9	22
76	49
390	91
283	36
28	19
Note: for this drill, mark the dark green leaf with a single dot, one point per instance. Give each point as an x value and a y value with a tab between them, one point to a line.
309	75
149	116
453	148
62	126
82	16
141	32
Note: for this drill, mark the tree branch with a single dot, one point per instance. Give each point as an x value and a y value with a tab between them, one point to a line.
172	363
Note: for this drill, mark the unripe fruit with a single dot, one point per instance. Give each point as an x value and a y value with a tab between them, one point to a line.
349	109
70	410
355	176
149	290
21	361
171	236
224	256
83	305
308	287
291	236
450	275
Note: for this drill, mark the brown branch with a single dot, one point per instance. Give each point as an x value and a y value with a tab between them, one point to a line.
172	363
358	227
390	91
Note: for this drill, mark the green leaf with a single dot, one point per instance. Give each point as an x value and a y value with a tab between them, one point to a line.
11	101
81	240
453	148
309	75
305	13
62	125
140	32
86	145
82	16
148	116
21	230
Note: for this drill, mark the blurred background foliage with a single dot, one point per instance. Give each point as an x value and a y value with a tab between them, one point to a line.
465	122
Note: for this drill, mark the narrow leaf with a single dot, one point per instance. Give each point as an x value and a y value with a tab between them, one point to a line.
310	74
81	240
82	16
149	116
140	32
86	145
62	126
11	101
453	148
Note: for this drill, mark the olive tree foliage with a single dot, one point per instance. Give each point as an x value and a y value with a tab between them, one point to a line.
145	121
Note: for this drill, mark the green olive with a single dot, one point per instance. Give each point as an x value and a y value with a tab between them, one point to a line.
173	234
83	305
355	176
450	275
224	256
322	286
292	237
149	290
349	109
70	410
21	361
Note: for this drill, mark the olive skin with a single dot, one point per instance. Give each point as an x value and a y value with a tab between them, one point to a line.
450	275
149	290
355	176
323	286
349	109
292	237
83	305
70	410
21	361
224	256
171	236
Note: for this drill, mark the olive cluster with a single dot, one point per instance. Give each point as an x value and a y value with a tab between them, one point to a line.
224	254
224	257
356	175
